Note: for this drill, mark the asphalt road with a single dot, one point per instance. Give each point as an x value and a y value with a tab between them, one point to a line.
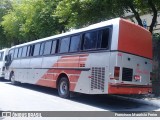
25	97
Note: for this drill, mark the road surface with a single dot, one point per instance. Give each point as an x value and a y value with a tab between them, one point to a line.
25	97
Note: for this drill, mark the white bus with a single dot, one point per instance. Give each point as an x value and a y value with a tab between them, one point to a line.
3	53
111	57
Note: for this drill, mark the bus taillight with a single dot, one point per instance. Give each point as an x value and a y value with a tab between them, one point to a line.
116	73
137	77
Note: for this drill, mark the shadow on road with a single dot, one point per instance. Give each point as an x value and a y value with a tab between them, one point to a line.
3	80
106	102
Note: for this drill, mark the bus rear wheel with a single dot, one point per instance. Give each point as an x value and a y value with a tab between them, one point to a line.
63	87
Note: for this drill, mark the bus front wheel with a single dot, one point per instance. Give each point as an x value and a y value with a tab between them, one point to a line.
63	87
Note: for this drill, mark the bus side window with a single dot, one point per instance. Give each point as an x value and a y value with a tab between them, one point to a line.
64	45
36	49
28	51
31	50
104	38
19	53
90	40
75	43
47	48
54	44
15	53
42	48
24	51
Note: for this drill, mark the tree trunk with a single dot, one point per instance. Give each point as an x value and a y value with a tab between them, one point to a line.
136	14
156	66
154	19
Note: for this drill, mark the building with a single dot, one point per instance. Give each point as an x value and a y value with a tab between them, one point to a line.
146	20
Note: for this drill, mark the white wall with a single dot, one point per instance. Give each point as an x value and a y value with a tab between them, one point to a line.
147	18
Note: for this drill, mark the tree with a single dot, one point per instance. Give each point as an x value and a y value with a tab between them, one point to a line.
30	20
83	12
138	7
5	5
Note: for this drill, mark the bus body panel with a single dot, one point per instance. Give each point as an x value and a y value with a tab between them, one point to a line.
134	39
93	71
130	66
95	79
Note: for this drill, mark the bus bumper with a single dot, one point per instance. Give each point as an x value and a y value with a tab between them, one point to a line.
129	89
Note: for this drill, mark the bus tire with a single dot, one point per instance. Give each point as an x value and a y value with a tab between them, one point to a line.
63	87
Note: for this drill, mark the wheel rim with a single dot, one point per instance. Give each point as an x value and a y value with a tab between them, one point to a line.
63	88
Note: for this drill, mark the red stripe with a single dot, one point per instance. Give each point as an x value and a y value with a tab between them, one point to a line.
64	61
128	89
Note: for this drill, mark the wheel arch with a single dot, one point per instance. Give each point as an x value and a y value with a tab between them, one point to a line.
60	76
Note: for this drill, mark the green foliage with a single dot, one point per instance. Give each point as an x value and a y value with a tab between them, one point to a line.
78	13
30	20
27	20
5	5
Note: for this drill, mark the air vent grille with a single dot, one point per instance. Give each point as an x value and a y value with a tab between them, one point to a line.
98	78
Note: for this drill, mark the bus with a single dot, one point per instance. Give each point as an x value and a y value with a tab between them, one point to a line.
3	53
110	57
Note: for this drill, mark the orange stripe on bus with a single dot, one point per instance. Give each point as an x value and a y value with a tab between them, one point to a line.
50	76
47	83
73	78
68	64
72	74
72	86
128	89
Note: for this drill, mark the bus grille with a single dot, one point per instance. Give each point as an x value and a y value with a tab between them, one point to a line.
127	74
98	77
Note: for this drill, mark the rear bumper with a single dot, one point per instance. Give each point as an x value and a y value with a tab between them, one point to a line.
129	89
